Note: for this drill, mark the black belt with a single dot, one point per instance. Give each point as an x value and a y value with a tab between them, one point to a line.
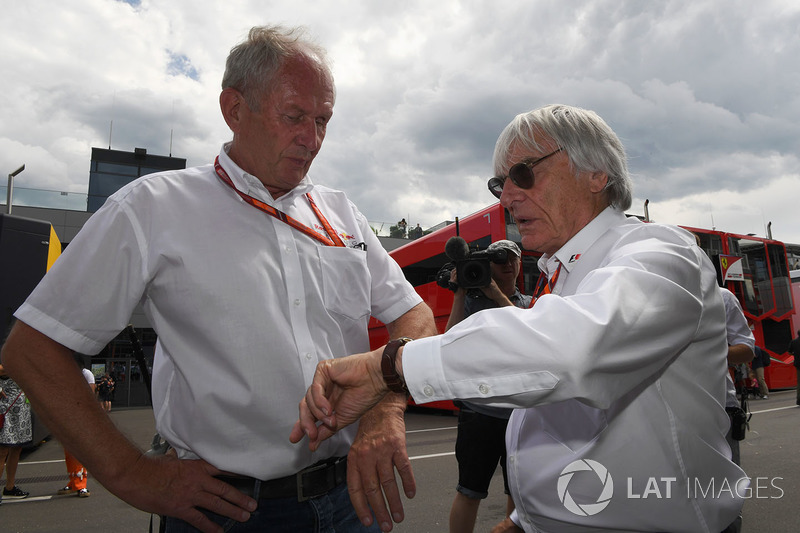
316	480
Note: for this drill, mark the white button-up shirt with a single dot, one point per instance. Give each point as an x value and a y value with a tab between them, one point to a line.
244	306
619	383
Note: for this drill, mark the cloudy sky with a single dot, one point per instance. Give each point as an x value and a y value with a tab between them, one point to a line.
705	94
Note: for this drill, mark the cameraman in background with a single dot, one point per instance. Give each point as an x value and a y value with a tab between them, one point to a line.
480	444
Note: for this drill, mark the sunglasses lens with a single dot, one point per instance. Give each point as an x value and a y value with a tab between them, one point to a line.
522	175
496	187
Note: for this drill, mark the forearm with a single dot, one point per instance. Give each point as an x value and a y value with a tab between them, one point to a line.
415	323
739	353
57	390
457	310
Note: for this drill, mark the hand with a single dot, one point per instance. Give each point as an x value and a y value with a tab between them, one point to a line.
379	448
170	486
493	292
506	526
342	390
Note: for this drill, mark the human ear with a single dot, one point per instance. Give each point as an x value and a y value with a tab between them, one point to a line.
231	103
598	181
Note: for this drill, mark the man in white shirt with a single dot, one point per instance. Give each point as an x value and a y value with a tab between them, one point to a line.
250	274
617	372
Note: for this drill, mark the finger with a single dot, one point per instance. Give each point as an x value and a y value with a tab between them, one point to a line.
235	501
219	498
317	400
297	433
391	491
200	521
403	465
372	490
305	425
357	496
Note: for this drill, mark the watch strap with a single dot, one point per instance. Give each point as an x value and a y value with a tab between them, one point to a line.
389	365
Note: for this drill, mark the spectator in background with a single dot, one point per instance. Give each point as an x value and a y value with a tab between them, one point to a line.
761	361
105	391
402	226
794	349
481	439
15	433
78	476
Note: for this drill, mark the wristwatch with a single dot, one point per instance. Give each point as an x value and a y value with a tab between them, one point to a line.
389	365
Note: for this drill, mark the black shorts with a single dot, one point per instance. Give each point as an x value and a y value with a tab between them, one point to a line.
480	445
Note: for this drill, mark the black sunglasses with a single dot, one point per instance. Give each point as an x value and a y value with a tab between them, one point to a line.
520	174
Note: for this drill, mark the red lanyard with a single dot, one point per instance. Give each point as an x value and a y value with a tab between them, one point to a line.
544	285
334	239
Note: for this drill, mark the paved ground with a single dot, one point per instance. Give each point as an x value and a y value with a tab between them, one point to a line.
770	455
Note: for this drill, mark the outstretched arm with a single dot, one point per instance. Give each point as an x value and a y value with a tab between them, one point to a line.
166	485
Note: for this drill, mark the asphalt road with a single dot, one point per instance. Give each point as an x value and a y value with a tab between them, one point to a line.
770	455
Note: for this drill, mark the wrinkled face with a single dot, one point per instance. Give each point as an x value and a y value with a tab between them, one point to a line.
278	142
507	272
558	205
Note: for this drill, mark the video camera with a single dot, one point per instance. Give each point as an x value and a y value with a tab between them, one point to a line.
473	269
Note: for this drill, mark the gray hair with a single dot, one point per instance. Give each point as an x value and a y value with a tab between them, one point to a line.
252	64
590	143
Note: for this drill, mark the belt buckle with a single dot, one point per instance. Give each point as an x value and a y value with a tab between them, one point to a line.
301	497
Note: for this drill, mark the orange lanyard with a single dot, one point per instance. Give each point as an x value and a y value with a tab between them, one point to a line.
332	239
544	285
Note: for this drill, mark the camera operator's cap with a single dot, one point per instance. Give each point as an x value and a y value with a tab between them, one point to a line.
511	246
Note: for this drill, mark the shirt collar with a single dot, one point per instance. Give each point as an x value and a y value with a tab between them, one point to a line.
249	184
570	253
516	297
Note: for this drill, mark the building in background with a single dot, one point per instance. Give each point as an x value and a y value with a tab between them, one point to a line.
112	169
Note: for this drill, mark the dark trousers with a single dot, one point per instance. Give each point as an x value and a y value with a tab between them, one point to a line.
323	514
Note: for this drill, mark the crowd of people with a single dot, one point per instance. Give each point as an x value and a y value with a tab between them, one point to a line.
626	329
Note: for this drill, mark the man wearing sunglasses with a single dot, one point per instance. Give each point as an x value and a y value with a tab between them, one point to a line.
617	372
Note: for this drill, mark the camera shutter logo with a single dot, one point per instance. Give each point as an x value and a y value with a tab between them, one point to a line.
587	509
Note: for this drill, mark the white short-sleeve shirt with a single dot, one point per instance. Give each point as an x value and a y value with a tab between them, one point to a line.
244	306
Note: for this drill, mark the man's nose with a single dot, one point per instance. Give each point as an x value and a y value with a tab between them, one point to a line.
310	135
510	194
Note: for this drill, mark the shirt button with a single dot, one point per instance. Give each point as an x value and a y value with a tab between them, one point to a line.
308	356
484	388
297	301
428	390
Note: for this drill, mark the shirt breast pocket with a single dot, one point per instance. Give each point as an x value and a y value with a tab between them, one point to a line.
346	281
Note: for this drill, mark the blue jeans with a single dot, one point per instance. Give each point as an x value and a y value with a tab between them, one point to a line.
329	513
